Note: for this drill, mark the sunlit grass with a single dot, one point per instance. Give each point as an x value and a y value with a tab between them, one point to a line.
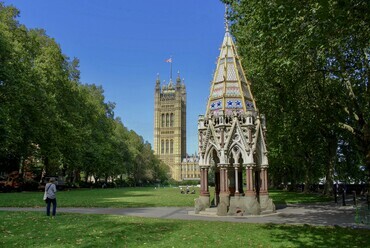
33	229
133	197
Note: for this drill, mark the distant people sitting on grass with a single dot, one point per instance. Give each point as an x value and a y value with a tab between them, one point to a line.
187	190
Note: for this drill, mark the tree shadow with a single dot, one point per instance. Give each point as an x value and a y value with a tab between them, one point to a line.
315	236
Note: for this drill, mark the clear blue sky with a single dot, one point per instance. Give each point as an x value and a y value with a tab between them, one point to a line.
123	44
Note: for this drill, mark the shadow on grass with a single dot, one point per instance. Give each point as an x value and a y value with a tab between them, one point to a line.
118	232
286	197
71	230
313	236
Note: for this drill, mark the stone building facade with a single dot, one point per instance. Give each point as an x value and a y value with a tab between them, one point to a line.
170	124
190	168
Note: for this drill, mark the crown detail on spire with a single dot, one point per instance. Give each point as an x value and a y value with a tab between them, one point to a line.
226	18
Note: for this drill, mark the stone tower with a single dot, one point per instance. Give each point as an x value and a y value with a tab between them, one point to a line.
231	138
170	124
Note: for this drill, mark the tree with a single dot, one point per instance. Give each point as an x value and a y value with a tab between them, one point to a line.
309	65
46	112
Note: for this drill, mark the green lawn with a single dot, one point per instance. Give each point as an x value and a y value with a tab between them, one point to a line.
33	229
132	197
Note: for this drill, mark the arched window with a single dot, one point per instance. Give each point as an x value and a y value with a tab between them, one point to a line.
171	146
162	146
167	146
167	120
171	120
162	120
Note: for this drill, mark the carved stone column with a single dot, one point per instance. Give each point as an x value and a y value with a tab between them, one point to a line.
224	203
236	180
267	206
263	175
204	181
251	204
202	202
224	183
249	181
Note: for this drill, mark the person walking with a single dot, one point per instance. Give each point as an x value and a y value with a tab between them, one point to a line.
50	193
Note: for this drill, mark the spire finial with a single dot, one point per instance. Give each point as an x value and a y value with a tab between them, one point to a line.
226	18
178	79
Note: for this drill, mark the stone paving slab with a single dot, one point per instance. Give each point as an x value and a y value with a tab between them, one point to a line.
313	214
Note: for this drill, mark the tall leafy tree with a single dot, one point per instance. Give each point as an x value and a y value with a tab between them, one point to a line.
45	111
309	65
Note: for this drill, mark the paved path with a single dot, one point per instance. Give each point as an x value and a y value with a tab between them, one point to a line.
313	214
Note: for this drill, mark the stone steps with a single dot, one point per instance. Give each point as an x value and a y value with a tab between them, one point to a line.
209	212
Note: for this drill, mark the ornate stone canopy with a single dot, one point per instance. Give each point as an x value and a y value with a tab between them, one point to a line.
231	138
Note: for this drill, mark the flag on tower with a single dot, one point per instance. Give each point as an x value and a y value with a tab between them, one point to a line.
169	60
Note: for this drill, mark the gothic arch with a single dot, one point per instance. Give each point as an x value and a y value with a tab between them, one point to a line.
209	154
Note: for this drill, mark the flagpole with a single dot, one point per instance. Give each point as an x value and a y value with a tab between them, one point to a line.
171	69
170	61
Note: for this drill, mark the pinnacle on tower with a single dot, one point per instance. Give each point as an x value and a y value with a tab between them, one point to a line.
158	83
178	79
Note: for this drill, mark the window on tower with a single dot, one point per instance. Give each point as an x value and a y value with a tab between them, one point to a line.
162	120
171	146
171	120
167	120
167	146
162	146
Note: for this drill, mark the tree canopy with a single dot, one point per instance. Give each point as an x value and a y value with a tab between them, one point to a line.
52	121
308	62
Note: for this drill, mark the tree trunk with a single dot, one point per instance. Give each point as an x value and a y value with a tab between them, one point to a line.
367	153
332	155
306	181
328	187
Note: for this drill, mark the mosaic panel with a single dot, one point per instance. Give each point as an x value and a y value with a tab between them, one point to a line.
241	74
231	73
223	53
246	91
218	90
232	89
216	105
230	52
219	76
234	103
249	105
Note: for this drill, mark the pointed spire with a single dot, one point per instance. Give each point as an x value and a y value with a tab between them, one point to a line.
226	18
158	83
230	90
178	79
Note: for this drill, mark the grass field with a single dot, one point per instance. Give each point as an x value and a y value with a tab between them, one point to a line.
133	197
34	229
